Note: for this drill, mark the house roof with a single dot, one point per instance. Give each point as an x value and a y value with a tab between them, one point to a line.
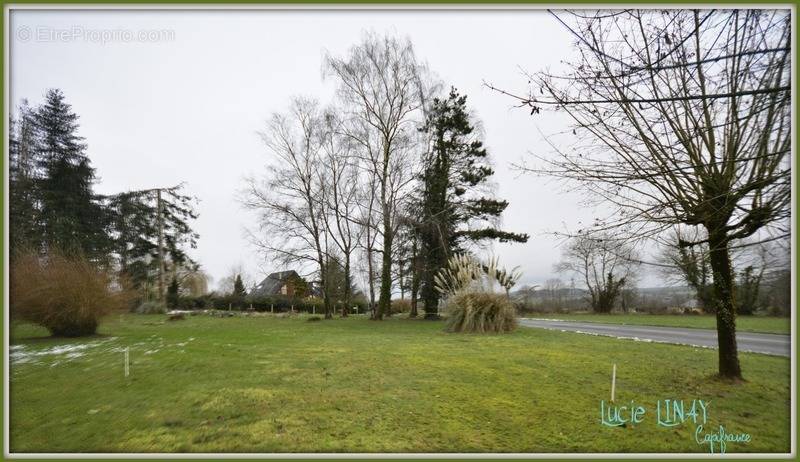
271	285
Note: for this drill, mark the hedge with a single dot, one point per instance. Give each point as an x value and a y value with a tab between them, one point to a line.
276	303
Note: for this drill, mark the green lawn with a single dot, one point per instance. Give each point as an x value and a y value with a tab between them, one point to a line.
767	324
287	385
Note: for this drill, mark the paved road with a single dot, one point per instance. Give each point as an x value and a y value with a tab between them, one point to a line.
771	344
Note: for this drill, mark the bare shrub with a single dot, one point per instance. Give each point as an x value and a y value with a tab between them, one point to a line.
66	295
400	306
151	307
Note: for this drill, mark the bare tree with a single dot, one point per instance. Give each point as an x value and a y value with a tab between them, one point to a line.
605	265
289	198
381	89
341	191
368	222
226	284
680	117
553	289
192	281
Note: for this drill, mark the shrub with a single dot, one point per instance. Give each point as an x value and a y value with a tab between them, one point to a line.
194	303
151	307
480	312
472	305
66	295
464	273
281	303
400	306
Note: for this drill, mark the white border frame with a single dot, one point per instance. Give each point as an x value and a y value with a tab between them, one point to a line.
378	7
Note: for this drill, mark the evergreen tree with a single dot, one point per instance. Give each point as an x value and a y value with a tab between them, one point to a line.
24	229
134	227
172	293
238	287
747	290
340	288
72	218
453	210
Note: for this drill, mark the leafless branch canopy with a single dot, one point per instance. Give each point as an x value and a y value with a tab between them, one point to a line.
680	117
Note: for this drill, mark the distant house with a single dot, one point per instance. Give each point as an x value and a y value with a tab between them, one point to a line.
287	283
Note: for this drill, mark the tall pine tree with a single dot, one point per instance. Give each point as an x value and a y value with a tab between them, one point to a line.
238	287
24	216
72	219
453	208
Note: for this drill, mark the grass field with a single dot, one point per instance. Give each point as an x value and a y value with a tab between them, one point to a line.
766	324
352	385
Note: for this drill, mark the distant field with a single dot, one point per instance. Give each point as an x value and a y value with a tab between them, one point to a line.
766	324
268	384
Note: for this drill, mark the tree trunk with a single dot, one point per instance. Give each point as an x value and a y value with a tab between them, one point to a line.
414	278
326	302
323	282
347	285
370	278
400	279
161	268
724	306
385	298
430	296
432	261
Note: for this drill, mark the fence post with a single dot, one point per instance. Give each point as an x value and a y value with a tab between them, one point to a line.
613	381
127	361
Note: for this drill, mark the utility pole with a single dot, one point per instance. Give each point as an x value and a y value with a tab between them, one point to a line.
163	205
160	224
161	267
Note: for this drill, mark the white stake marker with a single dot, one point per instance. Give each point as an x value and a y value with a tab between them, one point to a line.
127	368
613	381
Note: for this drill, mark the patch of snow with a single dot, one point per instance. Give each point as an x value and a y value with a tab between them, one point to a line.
180	312
22	354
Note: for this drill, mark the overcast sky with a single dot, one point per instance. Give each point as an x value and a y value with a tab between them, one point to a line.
184	104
